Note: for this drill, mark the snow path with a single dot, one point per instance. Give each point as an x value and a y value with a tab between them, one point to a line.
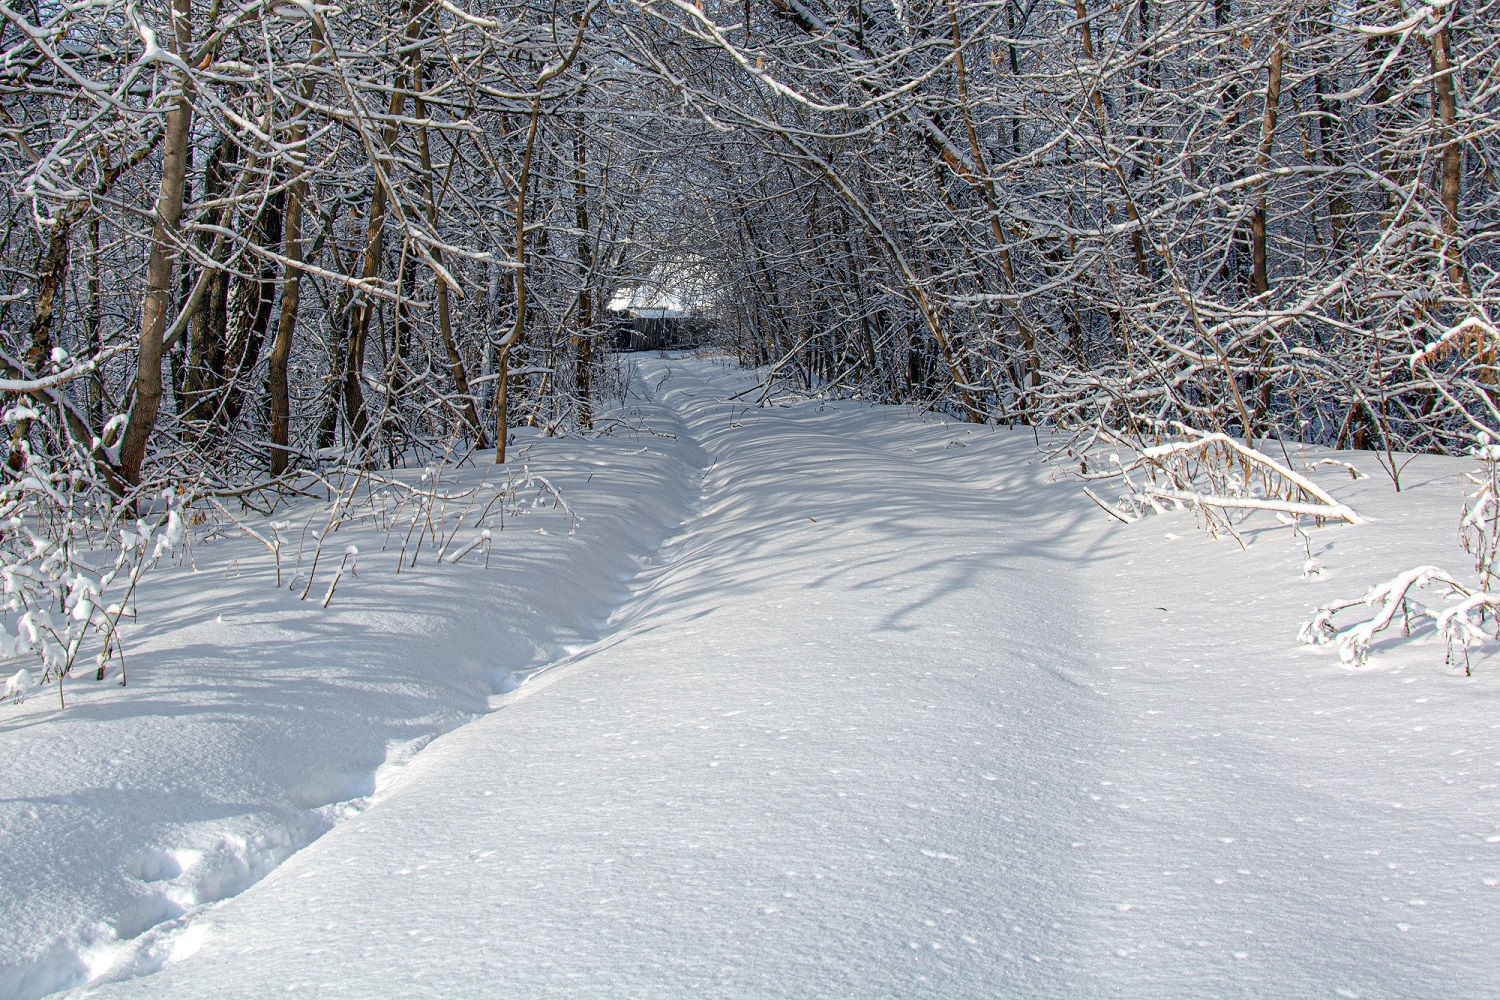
886	719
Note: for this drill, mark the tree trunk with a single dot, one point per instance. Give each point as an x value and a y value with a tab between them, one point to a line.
50	272
93	326
1096	99
584	340
1453	156
164	235
291	285
356	420
445	310
518	329
502	400
1259	280
253	299
518	325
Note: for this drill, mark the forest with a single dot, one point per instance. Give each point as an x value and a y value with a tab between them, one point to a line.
248	246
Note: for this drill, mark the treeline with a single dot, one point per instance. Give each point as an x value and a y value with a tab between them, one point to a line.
243	240
1269	217
283	234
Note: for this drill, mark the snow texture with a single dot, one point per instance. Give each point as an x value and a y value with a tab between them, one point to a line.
820	701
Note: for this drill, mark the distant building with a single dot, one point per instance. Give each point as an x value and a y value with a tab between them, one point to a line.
651	318
657	329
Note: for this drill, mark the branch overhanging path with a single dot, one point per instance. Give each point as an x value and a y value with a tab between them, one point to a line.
883	720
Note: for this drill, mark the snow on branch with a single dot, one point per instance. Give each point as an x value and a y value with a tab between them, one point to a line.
1214	473
1475	336
18	386
71	561
1458	623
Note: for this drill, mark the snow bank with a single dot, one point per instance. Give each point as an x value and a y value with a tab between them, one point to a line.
254	722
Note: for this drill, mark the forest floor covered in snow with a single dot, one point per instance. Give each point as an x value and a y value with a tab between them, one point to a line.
812	699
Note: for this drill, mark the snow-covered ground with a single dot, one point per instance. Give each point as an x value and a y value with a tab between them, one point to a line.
818	699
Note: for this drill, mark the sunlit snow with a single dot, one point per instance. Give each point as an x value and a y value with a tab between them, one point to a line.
814	699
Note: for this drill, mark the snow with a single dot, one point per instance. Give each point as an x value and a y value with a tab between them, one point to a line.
817	700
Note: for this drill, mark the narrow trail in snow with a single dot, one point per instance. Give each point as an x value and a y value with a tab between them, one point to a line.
650	567
859	729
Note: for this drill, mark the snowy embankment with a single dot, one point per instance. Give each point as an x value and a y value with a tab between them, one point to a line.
255	721
895	711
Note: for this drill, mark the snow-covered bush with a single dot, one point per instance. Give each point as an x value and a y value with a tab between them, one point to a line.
1214	474
71	556
433	510
1461	618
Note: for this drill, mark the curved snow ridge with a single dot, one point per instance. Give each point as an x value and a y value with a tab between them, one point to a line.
174	885
631	598
254	723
